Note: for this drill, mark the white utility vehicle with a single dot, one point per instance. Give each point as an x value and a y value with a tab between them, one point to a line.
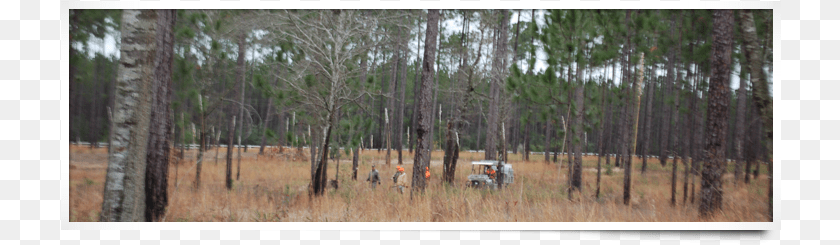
480	176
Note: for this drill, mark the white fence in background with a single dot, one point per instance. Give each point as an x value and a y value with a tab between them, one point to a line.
195	146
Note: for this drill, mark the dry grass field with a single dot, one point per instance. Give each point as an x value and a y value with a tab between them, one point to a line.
273	189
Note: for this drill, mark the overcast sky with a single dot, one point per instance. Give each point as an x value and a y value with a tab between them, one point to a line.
108	46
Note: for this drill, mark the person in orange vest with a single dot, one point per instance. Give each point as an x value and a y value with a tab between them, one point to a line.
427	174
400	179
490	172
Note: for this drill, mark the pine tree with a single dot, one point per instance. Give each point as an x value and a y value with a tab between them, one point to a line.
712	193
422	154
160	129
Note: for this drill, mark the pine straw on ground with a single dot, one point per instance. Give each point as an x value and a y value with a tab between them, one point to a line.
272	189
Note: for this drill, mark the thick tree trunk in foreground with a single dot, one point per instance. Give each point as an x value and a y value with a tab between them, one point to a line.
711	196
160	128
761	95
124	195
424	115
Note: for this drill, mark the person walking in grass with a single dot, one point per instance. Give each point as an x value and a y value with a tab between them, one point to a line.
400	179
373	177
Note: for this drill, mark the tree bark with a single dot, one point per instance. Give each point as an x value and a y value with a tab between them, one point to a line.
547	138
711	193
761	95
392	86
319	179
431	137
648	121
124	196
634	112
675	113
228	157
498	78
412	137
240	75
160	123
578	128
603	138
667	119
424	115
400	114
740	120
355	162
450	158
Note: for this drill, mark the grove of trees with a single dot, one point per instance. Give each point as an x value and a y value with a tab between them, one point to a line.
614	83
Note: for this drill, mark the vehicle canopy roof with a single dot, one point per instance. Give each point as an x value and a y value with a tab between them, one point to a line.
486	162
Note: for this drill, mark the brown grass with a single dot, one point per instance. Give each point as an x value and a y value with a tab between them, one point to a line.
276	190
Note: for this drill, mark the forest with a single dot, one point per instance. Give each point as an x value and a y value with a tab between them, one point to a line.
606	115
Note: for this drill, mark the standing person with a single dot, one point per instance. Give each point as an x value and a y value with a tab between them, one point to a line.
373	177
400	179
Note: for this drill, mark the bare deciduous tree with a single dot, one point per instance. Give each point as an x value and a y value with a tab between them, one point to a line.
331	42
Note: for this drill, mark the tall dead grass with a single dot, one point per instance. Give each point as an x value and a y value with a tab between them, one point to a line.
276	190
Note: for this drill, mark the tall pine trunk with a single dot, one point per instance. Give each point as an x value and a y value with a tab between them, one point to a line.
635	96
711	196
667	119
675	114
240	76
648	121
493	119
416	106
603	138
424	115
228	156
761	95
160	128
577	129
400	114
